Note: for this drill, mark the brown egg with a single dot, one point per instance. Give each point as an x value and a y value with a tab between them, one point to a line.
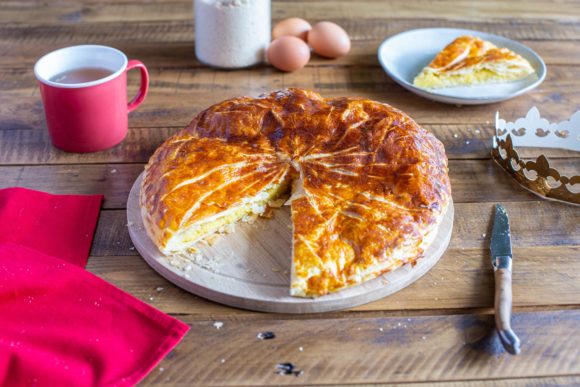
288	53
329	40
293	26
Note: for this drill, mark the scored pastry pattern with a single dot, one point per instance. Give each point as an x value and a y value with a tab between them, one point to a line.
369	186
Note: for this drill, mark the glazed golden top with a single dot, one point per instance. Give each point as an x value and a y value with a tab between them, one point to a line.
470	51
369	182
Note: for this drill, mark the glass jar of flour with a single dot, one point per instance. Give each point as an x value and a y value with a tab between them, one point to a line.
232	33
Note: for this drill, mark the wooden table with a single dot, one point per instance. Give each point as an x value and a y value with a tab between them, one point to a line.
439	330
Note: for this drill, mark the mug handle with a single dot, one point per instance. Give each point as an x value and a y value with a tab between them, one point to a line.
138	99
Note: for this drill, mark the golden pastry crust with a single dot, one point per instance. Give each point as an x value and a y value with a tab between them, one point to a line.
469	60
369	185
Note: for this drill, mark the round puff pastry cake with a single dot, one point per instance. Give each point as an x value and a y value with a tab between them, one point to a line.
369	186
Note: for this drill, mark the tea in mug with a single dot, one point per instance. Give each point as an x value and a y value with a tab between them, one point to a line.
81	75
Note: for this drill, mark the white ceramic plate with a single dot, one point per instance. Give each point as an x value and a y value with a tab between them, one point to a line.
404	55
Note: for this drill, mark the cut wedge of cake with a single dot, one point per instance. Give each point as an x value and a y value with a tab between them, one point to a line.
468	61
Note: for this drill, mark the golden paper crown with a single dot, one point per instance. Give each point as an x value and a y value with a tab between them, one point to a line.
537	176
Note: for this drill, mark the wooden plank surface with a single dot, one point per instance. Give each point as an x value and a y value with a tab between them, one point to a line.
445	323
462	280
176	95
180	54
389	349
566	381
458	10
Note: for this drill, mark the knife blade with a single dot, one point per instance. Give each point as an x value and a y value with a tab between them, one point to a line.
501	260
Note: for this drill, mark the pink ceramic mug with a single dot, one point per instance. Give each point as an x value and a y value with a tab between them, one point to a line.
89	116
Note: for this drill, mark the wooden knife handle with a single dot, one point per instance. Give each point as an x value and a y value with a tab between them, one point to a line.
503	310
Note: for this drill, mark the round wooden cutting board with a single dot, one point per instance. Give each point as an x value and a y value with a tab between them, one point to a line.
250	267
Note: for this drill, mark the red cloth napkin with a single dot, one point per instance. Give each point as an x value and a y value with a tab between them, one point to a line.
58	225
59	324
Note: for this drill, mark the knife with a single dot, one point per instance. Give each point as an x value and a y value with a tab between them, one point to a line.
501	260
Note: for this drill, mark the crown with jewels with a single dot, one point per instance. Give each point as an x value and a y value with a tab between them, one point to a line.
538	176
